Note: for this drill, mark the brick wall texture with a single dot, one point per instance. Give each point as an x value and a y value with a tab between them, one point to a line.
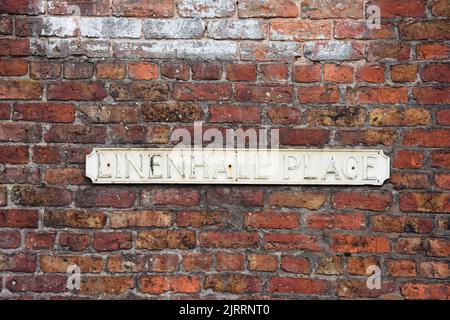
129	72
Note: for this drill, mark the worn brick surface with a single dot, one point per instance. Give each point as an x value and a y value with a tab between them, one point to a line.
128	73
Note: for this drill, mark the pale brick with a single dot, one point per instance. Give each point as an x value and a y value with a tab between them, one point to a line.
173	29
206	8
110	28
237	29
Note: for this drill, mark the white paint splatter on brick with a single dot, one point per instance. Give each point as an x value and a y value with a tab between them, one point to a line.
237	29
201	49
333	50
271	51
173	29
110	28
206	8
63	48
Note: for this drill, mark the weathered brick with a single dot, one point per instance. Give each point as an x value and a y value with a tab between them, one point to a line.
46	154
434	269
242	197
357	288
19	132
425	202
110	70
233	283
110	27
336	221
359	244
278	51
404	72
10	239
91	8
36	283
143	70
14	154
325	94
333	50
307	73
336	116
110	113
295	241
74	241
370	95
173	28
241	72
299	30
271	220
40	240
432	51
76	133
426	30
274	72
140	218
45	70
206	70
202	91
14	47
44	112
359	265
237	114
323	9
13	67
295	264
197	261
172	112
429	95
297	199
20	90
372	73
436	138
284	115
380	51
399	8
163	263
19	218
298	285
436	72
218	239
409	180
229	261
399	117
111	241
262	262
125	263
393	224
145	8
443	117
304	136
267	9
370	137
106	284
105	197
353	200
18	262
162	239
60	263
76	91
200	9
237	29
74	219
41	196
426	291
64	176
170	196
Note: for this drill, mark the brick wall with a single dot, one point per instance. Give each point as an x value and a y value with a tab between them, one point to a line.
129	72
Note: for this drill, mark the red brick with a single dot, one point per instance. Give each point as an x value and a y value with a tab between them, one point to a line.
399	8
429	95
281	241
357	288
76	91
41	196
323	9
442	180
19	218
110	70
20	90
140	218
304	136
40	241
409	180
170	196
271	220
299	30
338	73
336	221
264	93
359	244
76	133
18	262
143	70
370	137
425	202
106	284
13	67
437	138
179	71
359	265
262	262
434	269
45	70
438	247
74	219
6	25
36	283
146	8
242	197
372	73
241	72
318	94
197	261
140	90
20	174
5	111
110	113
407	159
432	51
378	51
202	91
163	239
267	9
105	197
14	154
78	70
284	115
401	268
295	264
65	176
233	283
436	72
349	29
330	265
229	261
298	285
367	95
229	113
44	112
307	73
125	263
46	154
297	199
74	241
404	72
420	291
110	241
14	47
19	132
394	224
9	239
274	72
206	70
60	263
426	30
353	200
443	117
217	239
200	219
